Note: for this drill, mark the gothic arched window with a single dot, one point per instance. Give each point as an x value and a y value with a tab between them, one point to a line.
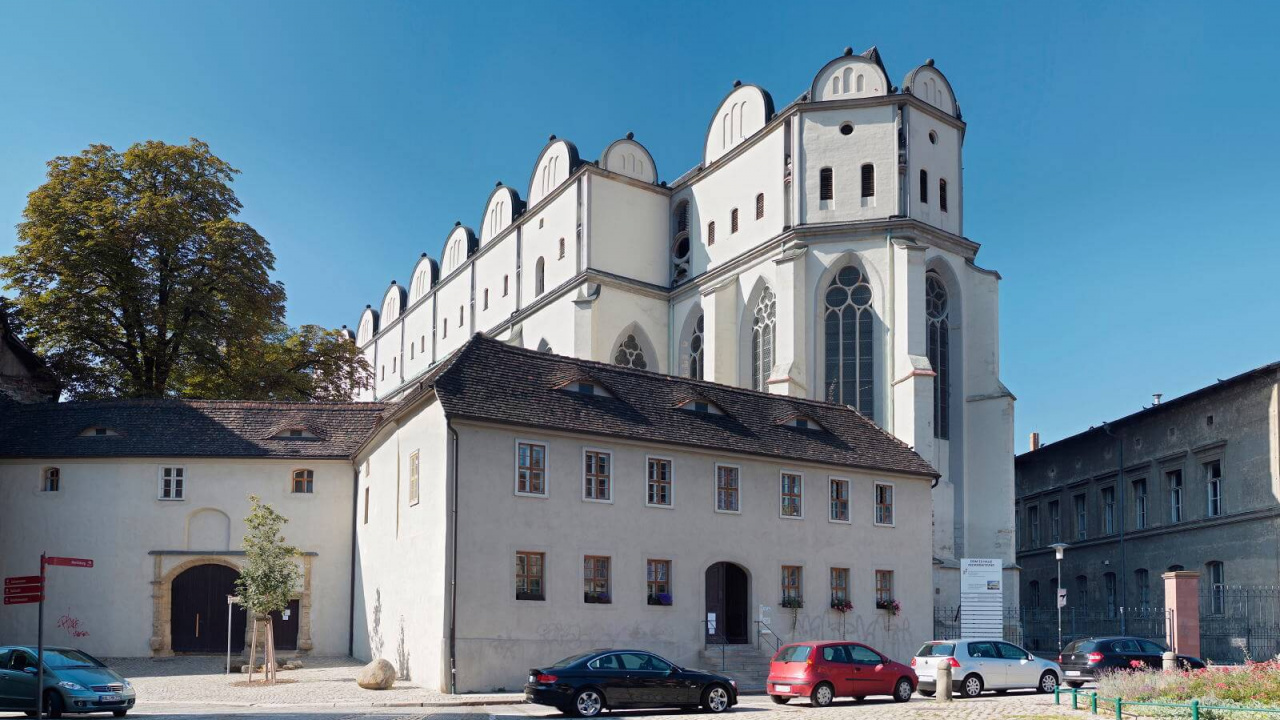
850	351
936	311
762	339
695	350
630	354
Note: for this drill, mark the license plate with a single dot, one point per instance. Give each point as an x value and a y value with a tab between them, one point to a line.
109	698
1073	673
782	688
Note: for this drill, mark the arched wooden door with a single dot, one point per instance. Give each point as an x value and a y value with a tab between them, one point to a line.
198	612
727	598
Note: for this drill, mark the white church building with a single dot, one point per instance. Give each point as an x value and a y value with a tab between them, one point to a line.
817	251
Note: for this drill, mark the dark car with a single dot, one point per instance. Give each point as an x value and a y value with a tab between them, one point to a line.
74	682
588	683
1085	659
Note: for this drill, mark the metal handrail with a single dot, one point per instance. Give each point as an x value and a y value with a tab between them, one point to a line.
761	626
707	642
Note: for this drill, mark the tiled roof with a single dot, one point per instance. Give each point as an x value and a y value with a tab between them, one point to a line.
185	428
488	380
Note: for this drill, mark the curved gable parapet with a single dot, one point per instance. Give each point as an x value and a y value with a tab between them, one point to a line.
369	325
930	85
425	276
851	76
556	162
394	302
460	245
502	209
743	112
630	158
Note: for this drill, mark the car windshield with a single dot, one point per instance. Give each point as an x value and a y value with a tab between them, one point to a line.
68	659
566	662
793	653
937	649
1079	646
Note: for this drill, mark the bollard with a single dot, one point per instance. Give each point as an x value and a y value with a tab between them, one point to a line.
1075	695
1118	706
1093	704
1169	662
943	680
1056	699
1195	710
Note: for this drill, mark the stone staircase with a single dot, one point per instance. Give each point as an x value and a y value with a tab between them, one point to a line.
746	664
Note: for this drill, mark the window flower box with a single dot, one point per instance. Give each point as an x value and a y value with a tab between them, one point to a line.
663	599
596	598
893	607
530	596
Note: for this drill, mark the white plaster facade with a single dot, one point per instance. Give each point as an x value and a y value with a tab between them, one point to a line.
855	173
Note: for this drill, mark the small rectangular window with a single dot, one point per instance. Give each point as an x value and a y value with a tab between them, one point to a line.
924	187
884	504
413	478
506	283
52	480
172	481
1082	518
658	579
711	233
1213	488
595	580
529	575
792	504
659	474
1174	478
366	505
884	587
1140	504
303	481
839	500
760	206
531	469
596	473
826	184
561	248
733	221
727	488
486	298
868	180
792	585
839	584
942	194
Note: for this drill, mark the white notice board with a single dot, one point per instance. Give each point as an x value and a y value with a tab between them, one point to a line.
981	598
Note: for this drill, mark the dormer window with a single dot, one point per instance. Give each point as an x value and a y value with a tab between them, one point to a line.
702	406
295	434
98	431
802	422
586	387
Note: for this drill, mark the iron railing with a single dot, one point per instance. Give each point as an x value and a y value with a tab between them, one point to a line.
766	637
1239	623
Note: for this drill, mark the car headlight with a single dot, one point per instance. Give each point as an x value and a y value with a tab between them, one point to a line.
70	685
127	685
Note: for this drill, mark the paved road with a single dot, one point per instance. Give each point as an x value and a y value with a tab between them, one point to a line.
1014	706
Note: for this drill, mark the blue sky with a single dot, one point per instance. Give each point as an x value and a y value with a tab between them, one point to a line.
1119	163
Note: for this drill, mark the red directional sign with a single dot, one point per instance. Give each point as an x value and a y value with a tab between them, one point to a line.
22	599
21	590
22	581
69	562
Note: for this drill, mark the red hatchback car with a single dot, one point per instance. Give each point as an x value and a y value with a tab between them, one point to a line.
824	671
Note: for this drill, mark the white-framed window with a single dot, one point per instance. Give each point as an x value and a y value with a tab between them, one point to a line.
1174	479
660	482
51	480
1217	587
728	488
884	504
839	500
791	494
1108	496
531	469
597	475
1213	488
303	481
413	478
172	483
1140	504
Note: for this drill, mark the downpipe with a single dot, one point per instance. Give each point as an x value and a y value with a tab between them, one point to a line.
453	580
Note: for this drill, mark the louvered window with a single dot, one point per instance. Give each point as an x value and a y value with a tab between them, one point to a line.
868	180
711	233
924	186
760	206
733	221
826	189
942	194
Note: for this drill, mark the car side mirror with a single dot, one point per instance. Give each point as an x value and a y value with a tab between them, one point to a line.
30	671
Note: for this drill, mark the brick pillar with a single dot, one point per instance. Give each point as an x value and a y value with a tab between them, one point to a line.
1182	602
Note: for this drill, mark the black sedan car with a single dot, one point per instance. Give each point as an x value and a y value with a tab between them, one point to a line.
586	684
1084	660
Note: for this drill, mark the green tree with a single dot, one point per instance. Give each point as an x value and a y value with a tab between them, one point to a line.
270	576
136	279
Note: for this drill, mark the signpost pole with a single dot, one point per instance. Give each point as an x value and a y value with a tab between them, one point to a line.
40	646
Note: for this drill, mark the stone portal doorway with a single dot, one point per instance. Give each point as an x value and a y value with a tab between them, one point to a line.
198	610
728	593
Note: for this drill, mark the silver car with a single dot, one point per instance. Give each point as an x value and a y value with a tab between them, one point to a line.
979	664
74	682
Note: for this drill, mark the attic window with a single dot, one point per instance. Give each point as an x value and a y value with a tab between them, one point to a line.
295	433
585	387
98	432
803	423
702	406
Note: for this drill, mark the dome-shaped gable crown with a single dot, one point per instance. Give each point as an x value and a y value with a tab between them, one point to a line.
503	208
930	85
556	162
744	111
393	302
630	158
459	246
368	326
850	76
425	275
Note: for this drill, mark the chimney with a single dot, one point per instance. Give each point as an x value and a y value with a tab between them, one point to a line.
1035	441
1155	398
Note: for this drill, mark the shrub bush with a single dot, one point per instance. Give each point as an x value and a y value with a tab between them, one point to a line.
1243	686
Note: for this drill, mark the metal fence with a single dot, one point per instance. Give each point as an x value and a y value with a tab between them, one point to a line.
1036	629
1239	623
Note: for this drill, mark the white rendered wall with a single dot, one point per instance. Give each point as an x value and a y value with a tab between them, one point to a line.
497	261
558	219
500	638
417	332
107	510
942	161
628	230
873	140
619	312
453	294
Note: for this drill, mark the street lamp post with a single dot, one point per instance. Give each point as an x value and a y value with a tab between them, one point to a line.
1058	549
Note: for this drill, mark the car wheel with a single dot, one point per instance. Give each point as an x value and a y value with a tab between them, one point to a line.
1074	684
902	691
925	693
1048	683
779	699
715	699
822	695
972	686
53	705
588	703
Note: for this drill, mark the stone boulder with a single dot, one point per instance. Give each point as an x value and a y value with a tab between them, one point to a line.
377	675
